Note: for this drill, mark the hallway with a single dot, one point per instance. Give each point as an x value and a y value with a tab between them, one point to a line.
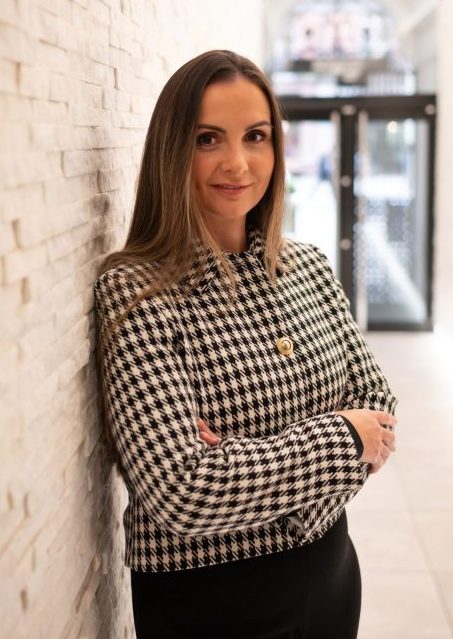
402	521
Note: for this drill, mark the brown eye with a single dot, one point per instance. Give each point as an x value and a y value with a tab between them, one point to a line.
256	136
206	139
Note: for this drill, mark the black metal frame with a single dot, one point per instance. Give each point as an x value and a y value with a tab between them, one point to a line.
296	108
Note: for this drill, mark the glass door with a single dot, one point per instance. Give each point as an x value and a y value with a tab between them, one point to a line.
360	176
391	248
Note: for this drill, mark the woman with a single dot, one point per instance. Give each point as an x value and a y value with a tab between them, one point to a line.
244	406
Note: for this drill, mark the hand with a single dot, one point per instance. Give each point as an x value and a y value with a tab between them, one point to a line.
375	429
206	433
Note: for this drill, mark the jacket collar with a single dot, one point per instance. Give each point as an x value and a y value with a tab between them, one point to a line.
205	256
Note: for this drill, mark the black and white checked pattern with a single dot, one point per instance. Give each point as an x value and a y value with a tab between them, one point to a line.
286	465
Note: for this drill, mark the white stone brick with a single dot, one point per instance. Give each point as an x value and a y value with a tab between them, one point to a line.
69	314
70	39
7	240
85	115
59	246
101	11
19	263
17	45
123	101
48	26
124	60
127	120
52	57
89	70
98	51
53	137
9	365
14	137
8	76
66	190
108	99
44	111
141	104
108	180
81	162
61	87
40	281
129	82
15	108
33	228
28	17
17	169
60	8
11	299
17	200
8	12
86	93
34	82
68	216
37	338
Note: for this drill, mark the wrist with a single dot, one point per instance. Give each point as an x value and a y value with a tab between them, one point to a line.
355	435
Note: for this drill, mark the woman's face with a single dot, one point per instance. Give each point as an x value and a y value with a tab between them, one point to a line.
234	156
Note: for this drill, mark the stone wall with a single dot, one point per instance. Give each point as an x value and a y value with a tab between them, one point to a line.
78	80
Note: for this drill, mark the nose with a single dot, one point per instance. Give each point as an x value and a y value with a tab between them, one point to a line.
234	160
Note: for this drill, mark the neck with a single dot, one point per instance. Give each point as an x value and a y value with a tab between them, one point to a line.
232	238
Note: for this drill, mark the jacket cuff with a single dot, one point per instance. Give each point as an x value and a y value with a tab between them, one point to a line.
355	436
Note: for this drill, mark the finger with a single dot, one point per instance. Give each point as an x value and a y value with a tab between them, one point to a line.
376	465
385	418
388	439
203	427
373	469
210	439
385	453
206	430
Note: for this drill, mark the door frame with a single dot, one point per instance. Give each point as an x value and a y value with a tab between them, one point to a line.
422	107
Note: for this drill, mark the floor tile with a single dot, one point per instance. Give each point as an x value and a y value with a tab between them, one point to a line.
428	486
435	528
386	540
401	605
401	522
445	584
381	491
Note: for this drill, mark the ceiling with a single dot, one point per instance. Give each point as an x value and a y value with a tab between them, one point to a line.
410	16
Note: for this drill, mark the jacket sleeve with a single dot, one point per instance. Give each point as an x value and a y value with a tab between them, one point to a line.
185	485
366	385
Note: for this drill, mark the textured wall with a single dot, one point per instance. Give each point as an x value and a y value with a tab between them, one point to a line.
78	80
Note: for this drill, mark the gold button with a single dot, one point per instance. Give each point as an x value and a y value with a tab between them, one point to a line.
285	345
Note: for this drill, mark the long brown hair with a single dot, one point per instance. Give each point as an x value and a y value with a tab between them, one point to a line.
166	217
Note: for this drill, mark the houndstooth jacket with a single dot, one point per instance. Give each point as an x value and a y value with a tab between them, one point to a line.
286	465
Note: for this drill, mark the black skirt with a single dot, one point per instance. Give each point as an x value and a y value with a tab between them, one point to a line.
311	592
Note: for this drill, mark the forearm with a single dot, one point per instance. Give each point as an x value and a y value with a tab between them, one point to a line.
247	482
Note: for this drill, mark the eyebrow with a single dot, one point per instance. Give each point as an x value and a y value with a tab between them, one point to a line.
249	128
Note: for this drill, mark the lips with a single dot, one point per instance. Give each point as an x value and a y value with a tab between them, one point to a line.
230	188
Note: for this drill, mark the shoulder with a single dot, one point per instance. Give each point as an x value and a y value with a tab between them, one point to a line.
306	256
122	276
314	272
116	289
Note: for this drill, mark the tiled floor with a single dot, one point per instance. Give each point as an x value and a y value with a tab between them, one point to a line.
401	522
